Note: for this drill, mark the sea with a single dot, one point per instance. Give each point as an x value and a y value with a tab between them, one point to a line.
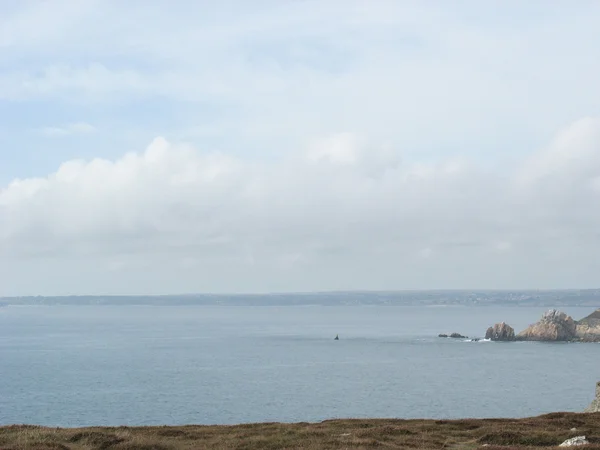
158	365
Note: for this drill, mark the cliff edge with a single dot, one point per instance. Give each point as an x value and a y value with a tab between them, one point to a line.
595	406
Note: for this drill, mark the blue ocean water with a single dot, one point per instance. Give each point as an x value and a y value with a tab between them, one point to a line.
126	365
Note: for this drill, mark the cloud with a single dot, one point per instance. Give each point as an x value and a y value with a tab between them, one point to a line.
285	72
68	130
320	209
301	145
403	62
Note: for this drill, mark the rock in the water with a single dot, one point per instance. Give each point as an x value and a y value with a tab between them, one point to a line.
595	406
575	442
588	328
458	336
443	335
554	326
500	332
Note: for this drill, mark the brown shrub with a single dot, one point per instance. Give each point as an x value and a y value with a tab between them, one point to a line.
96	439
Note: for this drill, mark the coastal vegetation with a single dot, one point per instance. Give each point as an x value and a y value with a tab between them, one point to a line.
541	432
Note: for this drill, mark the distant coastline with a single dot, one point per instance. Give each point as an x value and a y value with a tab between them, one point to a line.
541	298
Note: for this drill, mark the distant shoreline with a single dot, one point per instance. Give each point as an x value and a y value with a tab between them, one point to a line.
251	305
433	298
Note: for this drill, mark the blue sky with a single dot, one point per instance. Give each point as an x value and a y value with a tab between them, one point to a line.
347	96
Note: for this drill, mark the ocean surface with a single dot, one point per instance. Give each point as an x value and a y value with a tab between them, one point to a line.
147	365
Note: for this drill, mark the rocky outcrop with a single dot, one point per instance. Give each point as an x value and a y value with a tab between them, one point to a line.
588	328
553	326
500	332
458	336
453	335
595	406
575	442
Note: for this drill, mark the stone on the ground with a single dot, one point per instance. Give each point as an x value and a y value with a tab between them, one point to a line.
575	442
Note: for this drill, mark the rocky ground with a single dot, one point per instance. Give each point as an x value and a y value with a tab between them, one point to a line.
542	432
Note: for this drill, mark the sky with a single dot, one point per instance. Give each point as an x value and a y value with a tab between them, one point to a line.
296	145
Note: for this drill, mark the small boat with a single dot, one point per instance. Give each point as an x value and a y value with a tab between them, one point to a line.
337	338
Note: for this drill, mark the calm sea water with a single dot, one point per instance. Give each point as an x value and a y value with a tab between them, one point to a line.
76	366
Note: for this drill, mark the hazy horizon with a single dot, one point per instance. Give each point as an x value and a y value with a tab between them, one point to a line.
334	292
284	146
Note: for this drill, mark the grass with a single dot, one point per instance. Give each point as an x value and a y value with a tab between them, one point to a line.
546	431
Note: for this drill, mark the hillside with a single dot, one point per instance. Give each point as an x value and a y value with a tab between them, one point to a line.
593	320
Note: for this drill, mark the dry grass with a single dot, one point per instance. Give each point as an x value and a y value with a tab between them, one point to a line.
492	434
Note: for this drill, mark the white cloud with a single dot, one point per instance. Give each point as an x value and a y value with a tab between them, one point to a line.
391	69
68	130
339	149
207	211
503	246
381	145
425	253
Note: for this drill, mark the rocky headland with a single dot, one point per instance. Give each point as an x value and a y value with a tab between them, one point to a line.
588	328
554	326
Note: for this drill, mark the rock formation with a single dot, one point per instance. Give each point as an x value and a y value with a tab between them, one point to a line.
595	406
458	336
453	335
500	332
575	442
553	326
588	328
